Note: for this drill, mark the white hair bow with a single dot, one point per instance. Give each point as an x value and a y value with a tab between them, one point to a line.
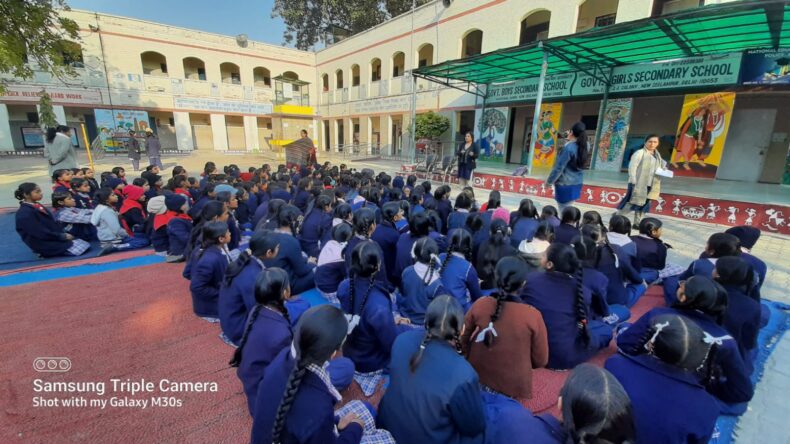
658	328
482	335
710	339
353	321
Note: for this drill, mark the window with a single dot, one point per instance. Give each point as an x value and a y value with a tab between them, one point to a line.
472	43
605	20
375	70
398	64
194	68
355	75
325	82
534	27
154	64
261	77
425	55
172	121
230	73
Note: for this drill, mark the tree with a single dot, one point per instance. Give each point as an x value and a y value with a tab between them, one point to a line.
34	30
307	20
431	125
46	114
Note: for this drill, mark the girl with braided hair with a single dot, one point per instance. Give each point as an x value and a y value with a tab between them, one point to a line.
563	300
703	301
587	252
290	257
330	270
434	393
457	219
208	270
491	251
213	211
524	222
504	339
458	275
317	226
386	235
420	283
742	317
296	399
625	285
676	355
419	227
569	225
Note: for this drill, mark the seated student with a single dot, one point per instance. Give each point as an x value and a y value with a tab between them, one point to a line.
315	225
593	218
213	211
180	185
178	226
419	227
494	202
504	339
416	200
703	301
625	286
458	275
549	214
434	393
364	224
386	235
743	314
342	213
748	236
719	245
108	226
474	225
303	195
403	224
269	219
331	268
651	252
486	214
674	351
296	398
228	197
154	185
132	212
523	223
457	219
281	190
242	212
208	270
434	230
533	250
61	180
75	221
89	176
156	225
38	228
569	226
194	188
372	326
597	282
420	283
491	251
81	190
208	194
563	300
619	234
443	205
116	185
290	258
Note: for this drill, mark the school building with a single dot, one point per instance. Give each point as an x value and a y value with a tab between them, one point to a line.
209	92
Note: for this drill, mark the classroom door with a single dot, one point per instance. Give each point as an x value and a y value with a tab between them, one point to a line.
747	143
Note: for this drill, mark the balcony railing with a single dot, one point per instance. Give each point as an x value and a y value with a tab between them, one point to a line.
230	91
157	84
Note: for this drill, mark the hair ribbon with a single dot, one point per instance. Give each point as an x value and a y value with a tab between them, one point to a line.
658	327
482	335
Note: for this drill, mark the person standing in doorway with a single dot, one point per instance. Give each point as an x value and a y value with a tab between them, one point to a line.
567	175
59	150
152	147
467	154
132	146
644	186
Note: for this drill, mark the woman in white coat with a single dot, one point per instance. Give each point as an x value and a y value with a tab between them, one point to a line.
644	185
58	149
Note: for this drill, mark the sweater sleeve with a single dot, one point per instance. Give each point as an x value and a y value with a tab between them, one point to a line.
630	339
466	409
27	224
540	342
629	272
735	386
473	284
299	264
57	151
383	324
559	166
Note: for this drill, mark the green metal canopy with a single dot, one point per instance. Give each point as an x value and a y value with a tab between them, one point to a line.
714	29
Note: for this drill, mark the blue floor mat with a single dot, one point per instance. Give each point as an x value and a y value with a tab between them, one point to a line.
766	342
79	270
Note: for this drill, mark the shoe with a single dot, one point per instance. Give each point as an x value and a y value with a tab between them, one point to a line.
106	250
638	218
174	259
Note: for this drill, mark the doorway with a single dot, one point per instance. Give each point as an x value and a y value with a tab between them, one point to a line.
747	144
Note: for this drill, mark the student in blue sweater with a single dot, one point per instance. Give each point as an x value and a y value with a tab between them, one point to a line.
316	225
457	219
386	235
619	234
434	393
748	237
703	301
588	252
563	300
303	195
213	211
569	225
719	245
523	223
651	251
443	205
296	399
208	270
269	220
38	228
290	257
743	314
364	224
491	251
420	283
457	274
625	286
179	226
331	268
674	353
231	202
419	227
549	214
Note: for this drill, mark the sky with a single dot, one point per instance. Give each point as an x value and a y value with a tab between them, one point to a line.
228	17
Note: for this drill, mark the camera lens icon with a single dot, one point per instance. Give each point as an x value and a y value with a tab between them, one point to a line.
52	364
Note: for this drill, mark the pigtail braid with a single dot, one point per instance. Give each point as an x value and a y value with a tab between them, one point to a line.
235	267
446	260
284	311
500	302
236	359
431	267
367	293
352	290
294	381
417	357
581	307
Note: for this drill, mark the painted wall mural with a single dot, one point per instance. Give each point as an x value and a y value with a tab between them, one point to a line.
491	133
614	136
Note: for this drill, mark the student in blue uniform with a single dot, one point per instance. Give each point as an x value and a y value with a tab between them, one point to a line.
231	203
625	285
331	268
587	252
549	214
364	224
179	226
651	252
296	398
674	353
491	251
387	235
290	258
443	205
748	236
315	225
75	221
703	301
719	245
61	180
208	270
157	225
563	300
237	295
457	219
81	189
242	212
742	317
269	221
523	222
420	283
569	225
303	195
457	274
419	227
207	195
434	393
38	228
213	211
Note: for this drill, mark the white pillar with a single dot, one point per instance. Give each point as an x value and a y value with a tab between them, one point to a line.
183	126
251	133
388	137
6	142
335	137
220	132
60	113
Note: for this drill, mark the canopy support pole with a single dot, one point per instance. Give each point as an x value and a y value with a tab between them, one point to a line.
601	119
538	102
413	122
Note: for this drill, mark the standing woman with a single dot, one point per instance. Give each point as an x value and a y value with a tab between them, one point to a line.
644	185
567	176
467	154
58	150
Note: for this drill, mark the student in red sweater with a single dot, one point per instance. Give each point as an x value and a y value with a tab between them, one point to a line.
504	339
